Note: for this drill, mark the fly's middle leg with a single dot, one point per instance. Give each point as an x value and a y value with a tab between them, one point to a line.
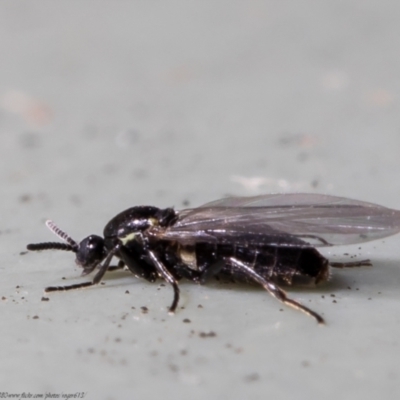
273	289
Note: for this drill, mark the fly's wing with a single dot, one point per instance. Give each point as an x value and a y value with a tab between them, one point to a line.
297	219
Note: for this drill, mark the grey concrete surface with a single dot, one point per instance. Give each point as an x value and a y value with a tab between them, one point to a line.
109	104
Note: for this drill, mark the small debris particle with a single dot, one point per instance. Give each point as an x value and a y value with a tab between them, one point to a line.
199	306
183	352
3	297
348	287
22	253
127	292
315	183
323	296
17	287
45	298
25	198
334	301
187	321
252	377
281	309
369	298
35	317
117	340
305	363
145	310
182	308
162	284
63	278
133	308
357	288
332	295
90	350
173	367
207	334
185	202
154	353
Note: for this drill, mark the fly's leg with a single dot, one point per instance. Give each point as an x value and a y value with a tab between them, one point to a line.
97	278
68	287
120	265
163	271
351	264
135	263
273	289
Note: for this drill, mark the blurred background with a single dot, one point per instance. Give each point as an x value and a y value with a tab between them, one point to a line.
105	105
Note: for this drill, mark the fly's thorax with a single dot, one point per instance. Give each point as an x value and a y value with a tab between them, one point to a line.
130	237
133	222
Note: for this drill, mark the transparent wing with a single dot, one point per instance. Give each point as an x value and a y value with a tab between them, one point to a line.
294	219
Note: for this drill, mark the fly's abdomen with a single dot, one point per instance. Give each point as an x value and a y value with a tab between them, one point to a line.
282	263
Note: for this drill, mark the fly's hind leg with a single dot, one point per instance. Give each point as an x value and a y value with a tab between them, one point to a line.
351	264
273	289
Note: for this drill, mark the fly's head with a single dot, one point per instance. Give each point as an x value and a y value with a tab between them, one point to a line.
90	252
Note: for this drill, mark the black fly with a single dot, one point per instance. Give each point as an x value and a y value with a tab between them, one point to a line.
264	239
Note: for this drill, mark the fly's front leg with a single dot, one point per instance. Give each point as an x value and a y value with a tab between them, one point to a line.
273	289
163	271
97	278
133	259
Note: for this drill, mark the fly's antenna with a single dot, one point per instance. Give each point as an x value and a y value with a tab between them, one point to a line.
70	246
61	234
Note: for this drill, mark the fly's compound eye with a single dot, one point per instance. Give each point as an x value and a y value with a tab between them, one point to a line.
90	252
